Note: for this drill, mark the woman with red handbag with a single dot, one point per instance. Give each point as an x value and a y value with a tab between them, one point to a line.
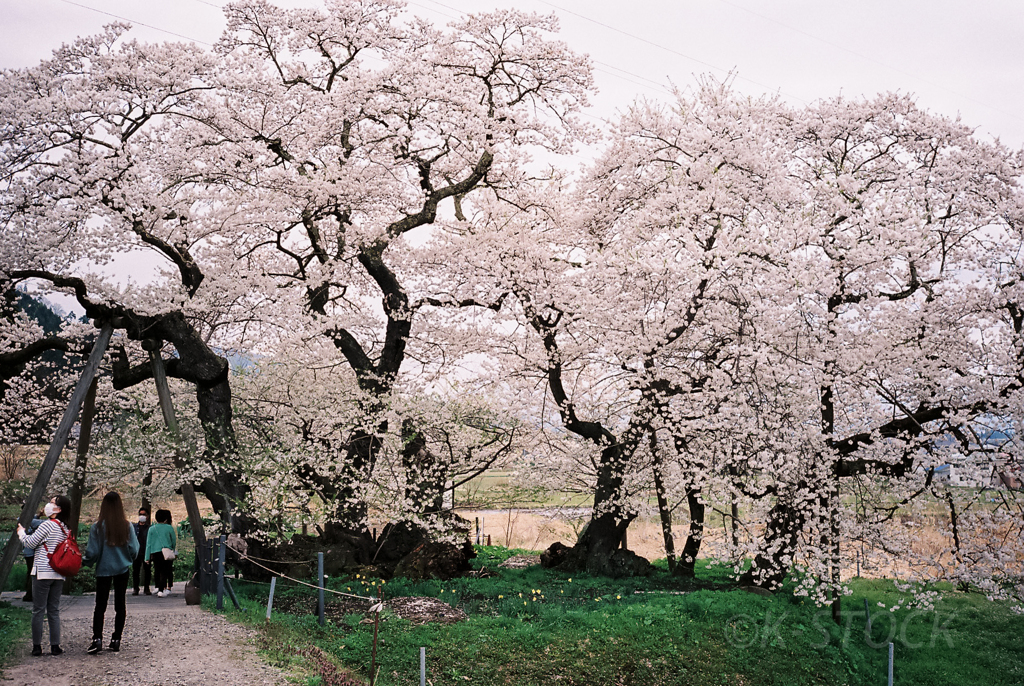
47	584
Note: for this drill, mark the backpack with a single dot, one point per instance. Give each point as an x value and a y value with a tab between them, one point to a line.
66	558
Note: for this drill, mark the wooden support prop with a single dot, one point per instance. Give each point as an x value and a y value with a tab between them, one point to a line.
82	457
60	439
188	493
231	594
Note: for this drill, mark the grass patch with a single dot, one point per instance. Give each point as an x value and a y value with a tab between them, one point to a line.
537	626
15	627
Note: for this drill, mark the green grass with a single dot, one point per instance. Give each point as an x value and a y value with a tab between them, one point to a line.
14	628
537	626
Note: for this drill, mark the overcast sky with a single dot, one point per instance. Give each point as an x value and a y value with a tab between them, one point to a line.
961	57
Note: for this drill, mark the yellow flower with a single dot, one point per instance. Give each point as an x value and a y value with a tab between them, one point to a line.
524	602
570	580
500	597
618	597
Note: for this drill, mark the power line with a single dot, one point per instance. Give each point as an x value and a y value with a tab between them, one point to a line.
671	51
650	83
868	58
138	23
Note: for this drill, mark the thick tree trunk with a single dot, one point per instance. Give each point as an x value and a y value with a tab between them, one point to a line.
425	475
688	559
771	565
597	549
664	512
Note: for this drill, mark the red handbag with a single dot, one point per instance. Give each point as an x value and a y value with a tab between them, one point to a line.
66	559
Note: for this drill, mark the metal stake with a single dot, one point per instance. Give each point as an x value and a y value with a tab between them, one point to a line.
320	591
270	601
220	574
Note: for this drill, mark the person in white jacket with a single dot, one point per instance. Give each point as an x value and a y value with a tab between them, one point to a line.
47	584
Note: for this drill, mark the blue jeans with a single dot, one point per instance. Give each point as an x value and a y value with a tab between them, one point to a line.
46	599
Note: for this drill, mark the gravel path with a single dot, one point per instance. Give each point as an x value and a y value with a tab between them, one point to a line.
165	643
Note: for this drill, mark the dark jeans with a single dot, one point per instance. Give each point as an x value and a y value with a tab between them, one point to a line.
141	564
103	584
162	570
46	600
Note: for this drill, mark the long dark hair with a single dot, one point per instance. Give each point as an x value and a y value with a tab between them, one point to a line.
64	503
113	520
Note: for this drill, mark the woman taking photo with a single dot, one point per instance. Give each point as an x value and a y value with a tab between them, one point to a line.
47	584
112	548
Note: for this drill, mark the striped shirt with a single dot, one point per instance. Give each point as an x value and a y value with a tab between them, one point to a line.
51	533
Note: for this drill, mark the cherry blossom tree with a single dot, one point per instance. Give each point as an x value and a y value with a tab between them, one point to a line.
341	134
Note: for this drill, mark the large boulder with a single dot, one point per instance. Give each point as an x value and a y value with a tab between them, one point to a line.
436	560
554	555
622	564
297	557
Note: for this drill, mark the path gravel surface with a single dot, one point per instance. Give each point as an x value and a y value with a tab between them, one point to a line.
165	643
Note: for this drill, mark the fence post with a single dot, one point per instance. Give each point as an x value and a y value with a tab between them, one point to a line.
320	582
220	574
423	666
270	601
890	664
207	572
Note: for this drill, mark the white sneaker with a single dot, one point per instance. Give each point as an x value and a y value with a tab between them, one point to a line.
160	594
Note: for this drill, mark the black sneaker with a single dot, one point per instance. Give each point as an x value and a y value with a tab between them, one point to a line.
95	647
115	645
37	651
56	650
135	591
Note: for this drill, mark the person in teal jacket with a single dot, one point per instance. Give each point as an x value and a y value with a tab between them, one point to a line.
112	548
161	535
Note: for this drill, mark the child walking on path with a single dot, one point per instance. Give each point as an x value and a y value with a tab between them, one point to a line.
161	537
47	584
113	547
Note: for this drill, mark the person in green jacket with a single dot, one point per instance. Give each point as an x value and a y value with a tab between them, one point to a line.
161	535
112	548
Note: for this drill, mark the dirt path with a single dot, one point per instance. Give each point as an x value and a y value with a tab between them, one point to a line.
165	642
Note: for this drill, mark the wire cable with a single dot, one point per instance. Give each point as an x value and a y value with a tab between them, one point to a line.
243	556
138	23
